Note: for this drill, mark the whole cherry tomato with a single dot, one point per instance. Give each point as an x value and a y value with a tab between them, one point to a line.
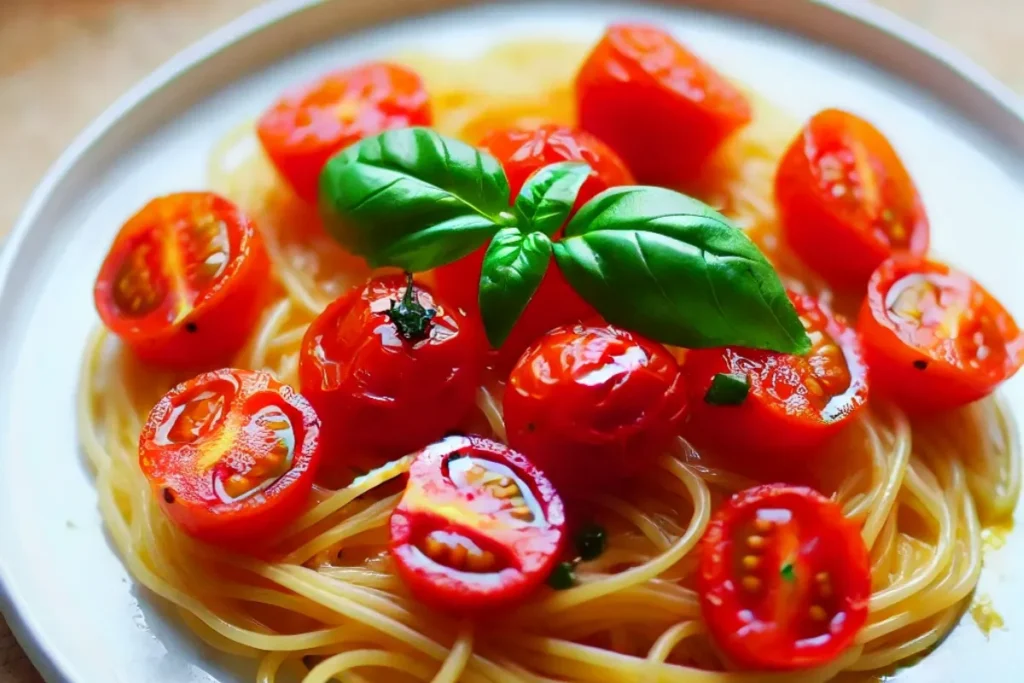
478	526
522	153
593	404
934	338
845	199
793	402
183	283
390	369
784	579
231	455
312	123
656	104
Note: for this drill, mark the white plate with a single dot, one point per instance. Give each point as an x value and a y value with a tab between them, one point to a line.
68	597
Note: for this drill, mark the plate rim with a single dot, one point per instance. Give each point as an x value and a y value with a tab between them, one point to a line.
881	21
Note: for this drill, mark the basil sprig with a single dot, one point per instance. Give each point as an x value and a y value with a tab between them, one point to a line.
649	259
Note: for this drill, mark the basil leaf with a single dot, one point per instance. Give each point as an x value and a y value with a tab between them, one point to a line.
548	196
514	266
727	390
413	199
672	268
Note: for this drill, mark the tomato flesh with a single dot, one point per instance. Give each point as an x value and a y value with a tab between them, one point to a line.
231	455
934	338
478	526
845	199
184	282
784	579
312	123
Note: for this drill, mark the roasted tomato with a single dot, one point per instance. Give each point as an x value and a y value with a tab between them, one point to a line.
522	153
592	404
183	283
792	403
934	338
784	579
310	124
478	527
845	199
390	369
231	455
656	104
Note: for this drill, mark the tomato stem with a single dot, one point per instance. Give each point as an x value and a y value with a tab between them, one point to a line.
410	317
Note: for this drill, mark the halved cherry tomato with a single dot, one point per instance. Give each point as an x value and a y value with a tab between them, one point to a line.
311	123
390	369
592	404
478	526
183	283
845	199
784	579
660	107
934	338
522	153
231	455
794	402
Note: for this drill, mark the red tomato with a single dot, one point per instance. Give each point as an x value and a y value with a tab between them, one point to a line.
794	402
231	455
522	153
183	283
845	199
784	579
659	106
934	338
478	527
312	123
591	405
389	372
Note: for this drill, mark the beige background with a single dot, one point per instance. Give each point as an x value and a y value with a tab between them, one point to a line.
63	61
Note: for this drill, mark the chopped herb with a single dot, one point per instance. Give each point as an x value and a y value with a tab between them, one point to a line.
788	572
590	541
562	576
727	390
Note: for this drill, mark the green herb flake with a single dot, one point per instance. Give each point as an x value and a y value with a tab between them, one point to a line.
591	541
788	572
562	576
727	389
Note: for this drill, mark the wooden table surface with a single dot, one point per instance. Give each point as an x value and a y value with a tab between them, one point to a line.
63	61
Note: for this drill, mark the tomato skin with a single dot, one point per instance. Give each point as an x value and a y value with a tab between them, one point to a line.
522	153
315	121
194	493
593	404
659	106
378	393
759	625
917	366
190	319
435	502
781	415
832	218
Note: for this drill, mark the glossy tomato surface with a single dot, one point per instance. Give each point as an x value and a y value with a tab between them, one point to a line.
388	373
183	284
312	123
784	579
231	455
845	199
593	404
522	153
934	338
478	526
662	108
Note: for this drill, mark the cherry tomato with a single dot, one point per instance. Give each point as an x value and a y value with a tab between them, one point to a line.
845	199
784	579
312	123
231	455
183	283
794	402
659	106
934	338
478	526
522	153
390	369
592	404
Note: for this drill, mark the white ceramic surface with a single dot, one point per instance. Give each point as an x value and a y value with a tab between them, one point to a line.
69	599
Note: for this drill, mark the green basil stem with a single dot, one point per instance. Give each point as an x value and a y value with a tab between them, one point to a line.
410	316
